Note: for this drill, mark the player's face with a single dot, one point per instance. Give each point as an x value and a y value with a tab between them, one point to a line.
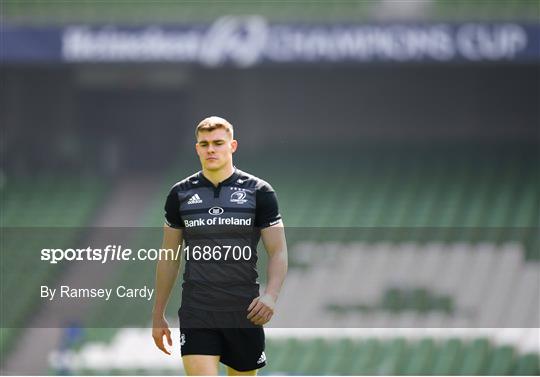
215	148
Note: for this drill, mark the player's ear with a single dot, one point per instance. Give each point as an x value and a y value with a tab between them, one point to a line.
234	145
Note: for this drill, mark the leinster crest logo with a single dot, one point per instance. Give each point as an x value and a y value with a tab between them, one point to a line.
182	339
238	197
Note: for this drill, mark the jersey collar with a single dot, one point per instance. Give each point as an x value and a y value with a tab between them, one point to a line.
233	177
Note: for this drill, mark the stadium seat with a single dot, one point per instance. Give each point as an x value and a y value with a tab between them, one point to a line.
527	365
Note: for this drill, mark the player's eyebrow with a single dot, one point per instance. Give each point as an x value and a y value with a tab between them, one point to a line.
211	141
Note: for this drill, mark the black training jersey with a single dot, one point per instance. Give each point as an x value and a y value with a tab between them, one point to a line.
221	228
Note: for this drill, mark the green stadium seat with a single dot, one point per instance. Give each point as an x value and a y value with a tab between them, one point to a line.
367	357
449	357
527	365
421	358
475	357
338	358
502	359
394	355
316	357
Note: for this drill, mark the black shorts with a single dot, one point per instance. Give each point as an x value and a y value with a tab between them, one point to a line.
230	335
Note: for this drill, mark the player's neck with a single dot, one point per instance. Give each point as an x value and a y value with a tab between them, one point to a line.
217	176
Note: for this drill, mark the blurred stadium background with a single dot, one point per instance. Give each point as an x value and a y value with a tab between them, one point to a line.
407	174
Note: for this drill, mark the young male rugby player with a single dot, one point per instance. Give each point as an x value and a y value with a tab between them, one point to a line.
220	213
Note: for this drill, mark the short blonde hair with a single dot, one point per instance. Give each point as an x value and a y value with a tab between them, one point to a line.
211	123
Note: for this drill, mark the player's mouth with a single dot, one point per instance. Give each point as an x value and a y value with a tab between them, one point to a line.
212	158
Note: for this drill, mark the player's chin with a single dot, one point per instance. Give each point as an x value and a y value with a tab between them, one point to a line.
213	164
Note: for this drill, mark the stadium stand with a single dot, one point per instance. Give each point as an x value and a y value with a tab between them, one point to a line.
88	11
43	202
323	352
455	263
433	252
47	196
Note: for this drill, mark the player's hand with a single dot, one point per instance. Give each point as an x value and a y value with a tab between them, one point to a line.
160	328
261	309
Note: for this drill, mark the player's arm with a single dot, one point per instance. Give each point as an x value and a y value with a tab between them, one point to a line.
274	242
166	274
261	309
167	269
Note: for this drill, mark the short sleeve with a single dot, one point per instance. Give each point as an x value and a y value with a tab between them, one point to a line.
267	210
172	210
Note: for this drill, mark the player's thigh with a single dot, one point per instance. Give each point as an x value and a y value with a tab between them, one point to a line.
234	372
201	365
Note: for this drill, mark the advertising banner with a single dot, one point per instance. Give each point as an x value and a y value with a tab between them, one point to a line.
249	41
